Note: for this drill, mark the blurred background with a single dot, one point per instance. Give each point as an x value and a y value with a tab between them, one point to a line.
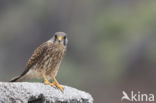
112	43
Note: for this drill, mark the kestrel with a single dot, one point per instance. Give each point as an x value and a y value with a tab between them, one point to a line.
45	61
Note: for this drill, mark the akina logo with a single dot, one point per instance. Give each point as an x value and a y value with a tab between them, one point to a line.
138	97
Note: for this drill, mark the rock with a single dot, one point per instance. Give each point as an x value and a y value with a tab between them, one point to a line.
24	92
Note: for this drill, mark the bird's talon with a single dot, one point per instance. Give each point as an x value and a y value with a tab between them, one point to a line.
52	84
46	82
61	88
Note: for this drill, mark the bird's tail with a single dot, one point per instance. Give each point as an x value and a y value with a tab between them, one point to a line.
19	78
23	77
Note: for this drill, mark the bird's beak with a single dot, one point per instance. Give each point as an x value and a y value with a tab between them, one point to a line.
60	38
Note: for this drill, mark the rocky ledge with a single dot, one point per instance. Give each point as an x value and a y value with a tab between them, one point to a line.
25	92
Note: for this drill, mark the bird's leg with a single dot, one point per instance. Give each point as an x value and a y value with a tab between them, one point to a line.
57	84
47	82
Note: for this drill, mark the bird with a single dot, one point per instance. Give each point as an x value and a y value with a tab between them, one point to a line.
45	61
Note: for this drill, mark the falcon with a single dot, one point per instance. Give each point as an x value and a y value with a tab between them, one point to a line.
45	61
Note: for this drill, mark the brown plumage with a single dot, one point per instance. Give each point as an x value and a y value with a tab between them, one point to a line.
45	61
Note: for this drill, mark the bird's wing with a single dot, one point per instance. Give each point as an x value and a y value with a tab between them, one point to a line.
36	56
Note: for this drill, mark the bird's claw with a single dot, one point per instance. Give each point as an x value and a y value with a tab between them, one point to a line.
48	83
53	84
60	87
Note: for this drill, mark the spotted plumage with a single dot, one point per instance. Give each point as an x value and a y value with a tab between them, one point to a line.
45	60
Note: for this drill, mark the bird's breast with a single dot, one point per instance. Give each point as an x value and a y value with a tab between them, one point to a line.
51	60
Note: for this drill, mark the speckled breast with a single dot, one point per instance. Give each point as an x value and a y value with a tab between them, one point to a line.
52	59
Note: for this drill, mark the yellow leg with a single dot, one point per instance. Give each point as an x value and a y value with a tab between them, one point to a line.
47	82
57	84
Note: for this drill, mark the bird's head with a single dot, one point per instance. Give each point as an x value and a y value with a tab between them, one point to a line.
60	38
